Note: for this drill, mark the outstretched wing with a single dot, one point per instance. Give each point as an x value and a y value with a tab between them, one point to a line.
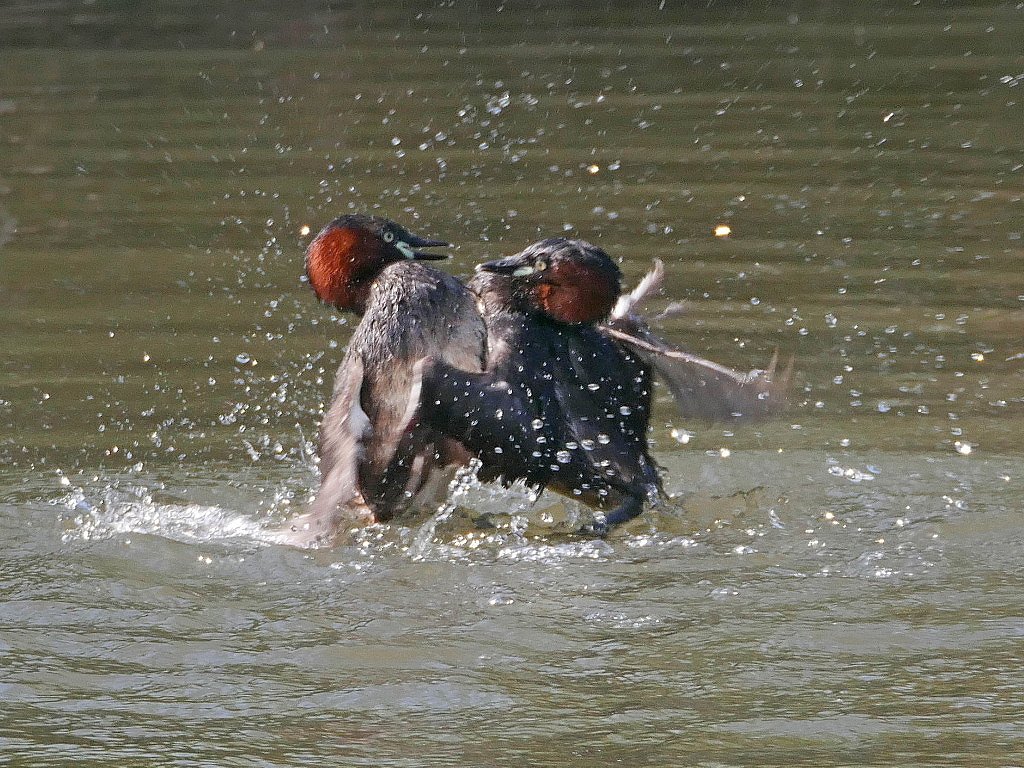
701	388
706	390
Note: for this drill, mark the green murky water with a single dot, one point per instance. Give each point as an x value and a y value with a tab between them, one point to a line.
837	587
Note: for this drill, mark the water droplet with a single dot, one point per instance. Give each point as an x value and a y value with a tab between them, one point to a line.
563	457
682	436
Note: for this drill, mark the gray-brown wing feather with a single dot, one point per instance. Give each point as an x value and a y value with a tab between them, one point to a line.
701	388
343	437
418	312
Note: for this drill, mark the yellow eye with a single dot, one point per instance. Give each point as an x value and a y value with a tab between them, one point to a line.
388	236
540	265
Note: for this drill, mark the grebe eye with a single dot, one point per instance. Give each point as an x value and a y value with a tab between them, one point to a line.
388	236
540	265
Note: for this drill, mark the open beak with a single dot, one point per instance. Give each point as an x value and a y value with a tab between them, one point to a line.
409	245
515	266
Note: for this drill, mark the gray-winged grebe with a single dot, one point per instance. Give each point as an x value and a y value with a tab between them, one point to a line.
374	458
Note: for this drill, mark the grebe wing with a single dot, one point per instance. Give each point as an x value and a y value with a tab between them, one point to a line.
343	434
706	390
701	388
629	303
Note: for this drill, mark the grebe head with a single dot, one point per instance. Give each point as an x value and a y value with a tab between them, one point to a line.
571	281
350	252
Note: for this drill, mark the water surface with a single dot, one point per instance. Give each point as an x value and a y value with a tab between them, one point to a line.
835	587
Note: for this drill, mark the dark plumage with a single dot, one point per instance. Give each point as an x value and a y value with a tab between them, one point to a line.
560	405
538	368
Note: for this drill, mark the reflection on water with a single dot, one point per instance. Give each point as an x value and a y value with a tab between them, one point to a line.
837	587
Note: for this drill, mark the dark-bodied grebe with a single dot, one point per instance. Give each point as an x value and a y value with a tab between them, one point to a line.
560	404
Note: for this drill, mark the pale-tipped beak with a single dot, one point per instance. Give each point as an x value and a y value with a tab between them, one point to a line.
515	266
409	245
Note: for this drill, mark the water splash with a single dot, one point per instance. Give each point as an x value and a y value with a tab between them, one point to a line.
117	512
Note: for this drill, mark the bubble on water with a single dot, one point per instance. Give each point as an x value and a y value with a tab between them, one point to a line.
850	473
625	410
243	358
720	593
963	447
563	457
682	436
594	549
